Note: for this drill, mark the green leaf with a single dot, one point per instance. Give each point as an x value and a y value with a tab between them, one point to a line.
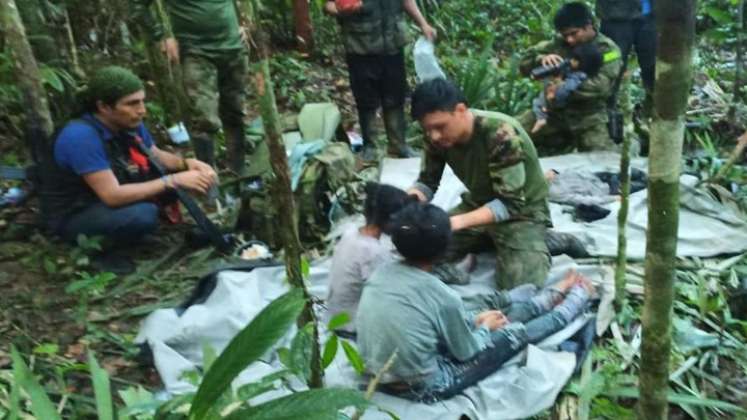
267	383
101	389
300	352
49	266
330	351
354	357
47	348
675	398
49	77
305	268
338	321
41	405
307	405
249	345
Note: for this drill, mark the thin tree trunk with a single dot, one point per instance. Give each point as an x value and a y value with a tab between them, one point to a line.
739	65
304	31
675	21
283	199
622	221
39	123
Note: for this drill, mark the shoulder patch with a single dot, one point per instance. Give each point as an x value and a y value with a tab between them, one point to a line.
610	56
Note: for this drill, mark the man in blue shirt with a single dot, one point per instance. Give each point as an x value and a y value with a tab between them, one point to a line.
97	182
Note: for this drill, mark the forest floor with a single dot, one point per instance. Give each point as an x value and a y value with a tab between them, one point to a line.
54	308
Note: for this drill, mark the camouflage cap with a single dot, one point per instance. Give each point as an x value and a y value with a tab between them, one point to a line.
111	83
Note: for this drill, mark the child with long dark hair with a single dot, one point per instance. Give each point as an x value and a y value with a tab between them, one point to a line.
361	250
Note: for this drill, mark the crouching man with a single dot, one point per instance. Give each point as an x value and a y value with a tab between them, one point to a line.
96	181
506	204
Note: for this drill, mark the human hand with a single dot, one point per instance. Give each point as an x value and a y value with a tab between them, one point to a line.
538	125
418	194
198	165
551	60
428	32
493	320
331	8
193	180
550	91
456	222
170	47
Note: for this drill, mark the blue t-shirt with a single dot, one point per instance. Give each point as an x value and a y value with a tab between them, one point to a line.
79	146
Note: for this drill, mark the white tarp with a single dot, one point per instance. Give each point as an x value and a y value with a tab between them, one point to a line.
526	385
706	226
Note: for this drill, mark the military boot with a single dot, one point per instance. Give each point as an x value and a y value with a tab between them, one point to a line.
204	149
564	243
366	119
396	128
235	148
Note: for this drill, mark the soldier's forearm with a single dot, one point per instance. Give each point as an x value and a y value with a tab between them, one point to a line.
478	217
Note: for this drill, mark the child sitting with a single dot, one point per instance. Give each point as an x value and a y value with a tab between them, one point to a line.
584	63
440	349
360	250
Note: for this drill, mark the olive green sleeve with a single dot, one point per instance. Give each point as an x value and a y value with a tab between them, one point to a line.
143	16
431	171
507	172
601	85
531	58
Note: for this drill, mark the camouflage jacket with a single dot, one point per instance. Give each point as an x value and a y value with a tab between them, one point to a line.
620	9
378	28
498	162
202	27
587	105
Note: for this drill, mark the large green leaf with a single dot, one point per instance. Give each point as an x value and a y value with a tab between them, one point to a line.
41	405
248	346
354	357
307	405
101	389
330	351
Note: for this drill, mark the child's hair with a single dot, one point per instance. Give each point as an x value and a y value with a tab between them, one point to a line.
589	58
382	201
421	232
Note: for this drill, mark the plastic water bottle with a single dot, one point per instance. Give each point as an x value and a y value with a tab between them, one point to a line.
426	63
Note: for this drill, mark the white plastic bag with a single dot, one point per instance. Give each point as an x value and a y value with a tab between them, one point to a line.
426	63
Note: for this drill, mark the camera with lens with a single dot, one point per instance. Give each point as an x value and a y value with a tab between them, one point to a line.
542	72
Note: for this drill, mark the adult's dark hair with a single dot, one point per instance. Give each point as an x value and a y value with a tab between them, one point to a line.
421	232
435	95
589	58
382	201
573	15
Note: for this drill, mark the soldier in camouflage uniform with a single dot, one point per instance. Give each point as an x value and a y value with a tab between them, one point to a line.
582	123
207	42
506	206
374	36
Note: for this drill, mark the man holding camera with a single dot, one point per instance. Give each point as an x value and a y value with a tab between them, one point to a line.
582	122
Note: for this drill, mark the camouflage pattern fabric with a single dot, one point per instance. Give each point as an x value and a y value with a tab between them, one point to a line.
209	28
499	161
216	89
379	28
582	122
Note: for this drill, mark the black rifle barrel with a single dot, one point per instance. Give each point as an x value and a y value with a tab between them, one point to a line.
214	234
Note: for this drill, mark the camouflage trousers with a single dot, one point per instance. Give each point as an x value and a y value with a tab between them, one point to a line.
557	137
216	89
521	255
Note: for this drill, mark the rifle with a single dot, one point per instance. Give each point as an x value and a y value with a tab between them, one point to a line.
223	243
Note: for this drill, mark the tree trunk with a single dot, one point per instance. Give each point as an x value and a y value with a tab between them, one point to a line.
283	199
739	65
622	221
39	125
304	31
675	20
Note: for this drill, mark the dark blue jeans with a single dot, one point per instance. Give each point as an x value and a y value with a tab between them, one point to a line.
125	224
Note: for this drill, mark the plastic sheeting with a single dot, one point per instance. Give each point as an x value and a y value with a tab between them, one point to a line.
524	386
707	227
